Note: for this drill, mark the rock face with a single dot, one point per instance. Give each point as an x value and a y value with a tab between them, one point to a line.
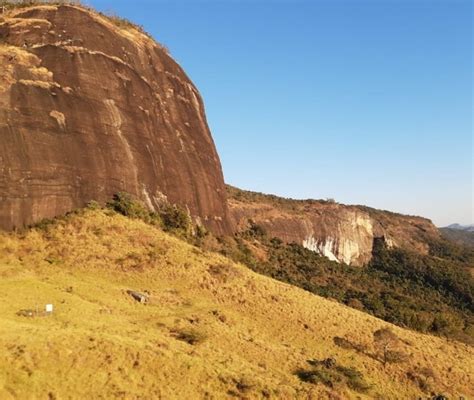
90	107
341	233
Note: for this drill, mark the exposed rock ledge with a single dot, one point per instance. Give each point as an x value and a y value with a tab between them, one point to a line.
341	233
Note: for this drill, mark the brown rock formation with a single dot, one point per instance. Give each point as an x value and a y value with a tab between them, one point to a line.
341	233
88	108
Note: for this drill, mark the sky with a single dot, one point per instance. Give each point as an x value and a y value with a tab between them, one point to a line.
364	101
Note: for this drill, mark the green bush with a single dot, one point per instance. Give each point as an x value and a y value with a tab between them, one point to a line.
329	378
254	231
125	204
447	323
171	218
93	205
354	379
43	225
175	219
331	374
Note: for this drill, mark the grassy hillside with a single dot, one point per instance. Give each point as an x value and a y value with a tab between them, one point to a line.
433	293
212	328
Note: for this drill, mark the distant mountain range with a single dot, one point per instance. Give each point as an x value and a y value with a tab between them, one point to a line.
459	227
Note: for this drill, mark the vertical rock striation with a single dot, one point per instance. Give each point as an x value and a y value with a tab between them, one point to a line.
88	108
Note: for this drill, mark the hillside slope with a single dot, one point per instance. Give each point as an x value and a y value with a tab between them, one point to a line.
459	236
213	329
91	106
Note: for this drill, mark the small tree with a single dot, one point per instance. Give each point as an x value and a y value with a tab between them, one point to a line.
386	340
175	218
127	205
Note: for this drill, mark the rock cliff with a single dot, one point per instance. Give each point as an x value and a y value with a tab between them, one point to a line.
90	106
340	232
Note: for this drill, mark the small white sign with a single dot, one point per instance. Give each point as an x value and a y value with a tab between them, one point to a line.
49	308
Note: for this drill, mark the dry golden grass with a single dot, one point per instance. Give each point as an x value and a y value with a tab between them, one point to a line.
248	333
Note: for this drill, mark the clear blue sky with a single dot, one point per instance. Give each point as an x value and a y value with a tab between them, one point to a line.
367	102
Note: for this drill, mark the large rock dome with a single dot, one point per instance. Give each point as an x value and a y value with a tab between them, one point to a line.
90	107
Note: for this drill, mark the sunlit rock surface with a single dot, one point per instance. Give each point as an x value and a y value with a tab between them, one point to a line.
89	108
339	232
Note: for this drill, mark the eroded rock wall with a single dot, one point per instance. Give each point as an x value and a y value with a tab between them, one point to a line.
89	108
340	232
